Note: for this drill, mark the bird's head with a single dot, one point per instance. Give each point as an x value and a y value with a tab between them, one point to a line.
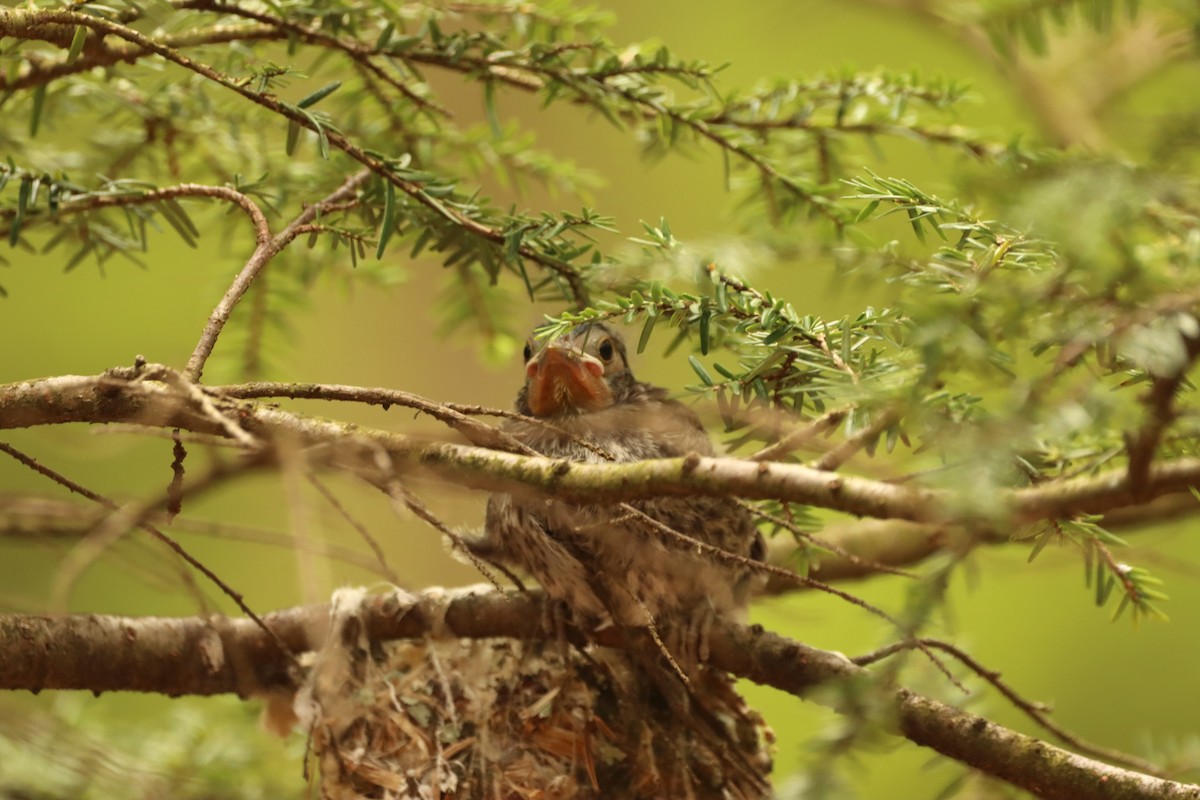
583	370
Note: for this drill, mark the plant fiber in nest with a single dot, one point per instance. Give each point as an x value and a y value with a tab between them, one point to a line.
454	719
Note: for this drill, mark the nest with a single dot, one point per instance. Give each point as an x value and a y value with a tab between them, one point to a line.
497	719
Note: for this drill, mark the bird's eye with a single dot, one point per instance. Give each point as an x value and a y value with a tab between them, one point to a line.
606	350
528	352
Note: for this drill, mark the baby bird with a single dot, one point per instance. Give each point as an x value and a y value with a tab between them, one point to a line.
614	564
602	561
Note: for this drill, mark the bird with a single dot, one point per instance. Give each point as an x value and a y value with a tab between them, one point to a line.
605	562
661	570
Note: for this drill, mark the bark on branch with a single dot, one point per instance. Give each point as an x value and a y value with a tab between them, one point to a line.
199	655
155	396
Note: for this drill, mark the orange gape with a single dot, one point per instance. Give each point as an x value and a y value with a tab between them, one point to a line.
563	379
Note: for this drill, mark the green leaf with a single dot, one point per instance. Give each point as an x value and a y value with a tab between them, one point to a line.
1035	34
39	102
705	319
778	333
1105	583
421	243
77	41
647	329
801	561
399	46
1040	544
388	224
700	370
319	95
524	273
293	135
14	232
385	36
847	340
1089	562
1151	610
725	371
1121	608
179	220
867	211
914	219
322	140
489	109
80	255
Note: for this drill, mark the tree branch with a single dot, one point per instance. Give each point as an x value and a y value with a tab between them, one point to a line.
1159	401
99	53
96	202
133	395
106	653
49	25
898	543
1035	711
267	247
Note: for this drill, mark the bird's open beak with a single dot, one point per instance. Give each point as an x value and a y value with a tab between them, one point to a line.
561	380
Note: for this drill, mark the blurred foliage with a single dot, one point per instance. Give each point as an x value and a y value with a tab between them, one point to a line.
1030	307
208	748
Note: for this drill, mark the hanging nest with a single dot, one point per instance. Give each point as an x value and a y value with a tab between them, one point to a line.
498	719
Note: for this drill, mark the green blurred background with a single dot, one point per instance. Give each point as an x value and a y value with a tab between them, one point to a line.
1115	684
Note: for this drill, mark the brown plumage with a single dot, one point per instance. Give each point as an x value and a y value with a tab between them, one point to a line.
597	559
605	564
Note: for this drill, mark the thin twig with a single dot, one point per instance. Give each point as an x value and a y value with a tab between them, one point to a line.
42	518
267	247
408	500
475	432
800	436
96	202
202	401
721	554
840	454
187	437
1159	401
70	485
1033	710
139	521
344	513
358	52
98	52
825	544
